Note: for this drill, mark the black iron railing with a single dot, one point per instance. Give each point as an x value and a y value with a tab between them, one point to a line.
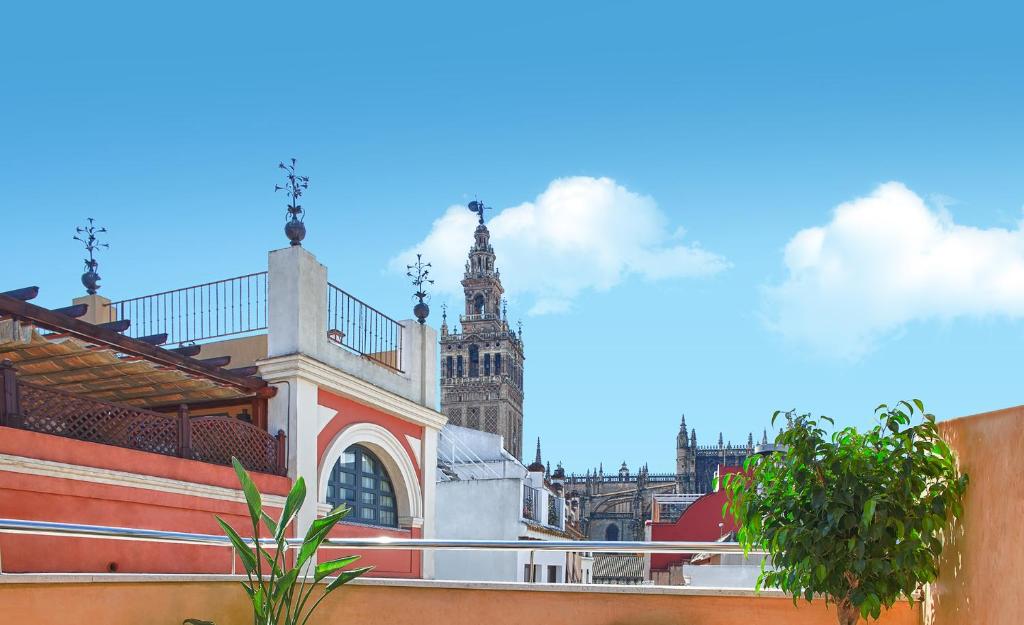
230	307
355	325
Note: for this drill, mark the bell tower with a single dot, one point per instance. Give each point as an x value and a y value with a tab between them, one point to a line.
482	366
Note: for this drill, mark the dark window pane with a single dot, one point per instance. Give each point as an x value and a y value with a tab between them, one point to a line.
371	496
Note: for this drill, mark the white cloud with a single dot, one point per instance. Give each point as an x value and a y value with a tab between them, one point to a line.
580	234
889	259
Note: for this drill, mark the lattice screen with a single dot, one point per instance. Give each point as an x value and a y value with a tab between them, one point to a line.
455	416
491	419
473	418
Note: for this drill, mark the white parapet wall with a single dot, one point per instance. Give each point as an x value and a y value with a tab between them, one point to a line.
297	324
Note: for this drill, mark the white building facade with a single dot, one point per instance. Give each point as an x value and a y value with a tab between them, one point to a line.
484	493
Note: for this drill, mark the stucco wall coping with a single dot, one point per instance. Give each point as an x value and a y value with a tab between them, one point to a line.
132	578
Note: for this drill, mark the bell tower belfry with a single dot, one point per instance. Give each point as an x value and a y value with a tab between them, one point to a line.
482	366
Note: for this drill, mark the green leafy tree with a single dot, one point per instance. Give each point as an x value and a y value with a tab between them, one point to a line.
856	518
278	593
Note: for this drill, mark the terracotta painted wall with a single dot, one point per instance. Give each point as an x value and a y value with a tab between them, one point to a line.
401	564
983	561
128	603
698	522
37	497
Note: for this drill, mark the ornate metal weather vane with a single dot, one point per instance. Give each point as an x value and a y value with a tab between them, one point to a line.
294	228
420	274
90	279
478	207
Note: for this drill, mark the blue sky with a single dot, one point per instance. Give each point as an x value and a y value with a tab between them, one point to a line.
743	124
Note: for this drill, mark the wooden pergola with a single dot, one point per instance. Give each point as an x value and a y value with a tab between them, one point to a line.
65	376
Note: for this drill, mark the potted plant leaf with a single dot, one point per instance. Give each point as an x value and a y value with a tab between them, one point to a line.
856	518
279	593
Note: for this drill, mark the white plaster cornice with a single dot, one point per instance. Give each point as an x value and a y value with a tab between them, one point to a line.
348	385
49	468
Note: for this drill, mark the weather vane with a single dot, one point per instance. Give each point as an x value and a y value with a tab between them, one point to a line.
478	207
444	313
90	279
420	274
294	228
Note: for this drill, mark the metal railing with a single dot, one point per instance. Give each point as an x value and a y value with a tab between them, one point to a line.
457	460
355	325
531	503
77	530
202	312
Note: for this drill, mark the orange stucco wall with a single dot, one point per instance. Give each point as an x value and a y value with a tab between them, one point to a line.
37	497
391	563
983	560
350	412
225	603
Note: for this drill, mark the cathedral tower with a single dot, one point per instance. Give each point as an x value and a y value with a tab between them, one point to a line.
686	459
482	366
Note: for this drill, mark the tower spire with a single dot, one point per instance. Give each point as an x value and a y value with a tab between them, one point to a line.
537	459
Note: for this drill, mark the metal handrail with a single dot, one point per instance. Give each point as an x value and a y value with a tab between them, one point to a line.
77	530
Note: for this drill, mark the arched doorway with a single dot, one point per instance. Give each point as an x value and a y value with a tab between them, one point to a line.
611	533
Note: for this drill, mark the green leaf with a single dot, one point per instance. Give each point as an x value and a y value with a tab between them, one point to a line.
346	577
243	550
323	569
269	522
869	512
252	494
284	585
291	507
821	572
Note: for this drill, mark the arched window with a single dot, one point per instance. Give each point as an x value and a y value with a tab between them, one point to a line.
478	304
474	361
359	481
450	368
497	364
611	534
487	364
458	366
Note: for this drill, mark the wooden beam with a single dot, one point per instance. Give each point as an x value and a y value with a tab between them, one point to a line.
75	312
251	370
101	336
206	404
154	339
149	397
187	350
25	294
116	326
218	361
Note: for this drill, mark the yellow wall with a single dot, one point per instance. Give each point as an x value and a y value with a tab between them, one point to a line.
983	561
132	603
244	351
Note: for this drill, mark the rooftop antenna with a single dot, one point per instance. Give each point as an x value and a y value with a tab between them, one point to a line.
294	228
420	272
90	279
